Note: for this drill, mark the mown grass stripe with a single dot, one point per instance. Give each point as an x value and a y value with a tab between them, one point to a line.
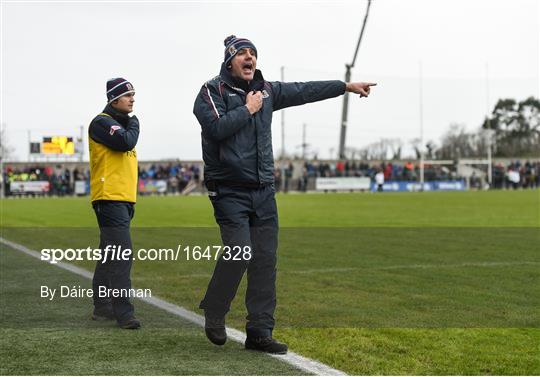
301	362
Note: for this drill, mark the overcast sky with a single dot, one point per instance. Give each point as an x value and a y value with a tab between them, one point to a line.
57	56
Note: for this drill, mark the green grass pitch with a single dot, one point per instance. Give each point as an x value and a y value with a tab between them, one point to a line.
414	283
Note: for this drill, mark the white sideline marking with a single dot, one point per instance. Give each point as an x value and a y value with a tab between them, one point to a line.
301	362
414	266
396	267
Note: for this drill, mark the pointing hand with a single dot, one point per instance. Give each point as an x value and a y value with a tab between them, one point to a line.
362	88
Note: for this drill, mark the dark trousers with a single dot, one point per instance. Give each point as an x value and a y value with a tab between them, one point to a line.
114	219
246	217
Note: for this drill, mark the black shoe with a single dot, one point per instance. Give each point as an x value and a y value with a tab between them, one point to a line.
214	327
103	314
129	324
266	344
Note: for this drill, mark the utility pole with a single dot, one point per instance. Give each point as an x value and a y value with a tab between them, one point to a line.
344	113
304	145
489	131
2	153
29	142
282	138
421	127
81	145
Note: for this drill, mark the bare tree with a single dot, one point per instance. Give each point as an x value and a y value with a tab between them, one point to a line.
6	151
396	147
458	143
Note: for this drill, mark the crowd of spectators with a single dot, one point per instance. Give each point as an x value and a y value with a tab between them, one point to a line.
58	177
516	175
407	171
392	171
176	176
61	180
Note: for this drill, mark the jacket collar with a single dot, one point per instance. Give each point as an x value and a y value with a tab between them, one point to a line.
240	85
119	116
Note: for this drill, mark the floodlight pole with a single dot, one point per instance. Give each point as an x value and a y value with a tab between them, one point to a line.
344	113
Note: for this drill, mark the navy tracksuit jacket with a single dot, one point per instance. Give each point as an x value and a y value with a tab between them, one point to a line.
239	173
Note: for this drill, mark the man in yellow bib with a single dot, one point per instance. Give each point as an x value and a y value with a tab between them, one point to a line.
113	135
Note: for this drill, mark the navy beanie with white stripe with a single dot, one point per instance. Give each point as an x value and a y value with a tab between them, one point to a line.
233	45
118	87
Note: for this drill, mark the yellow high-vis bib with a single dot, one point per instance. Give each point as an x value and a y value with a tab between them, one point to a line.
113	174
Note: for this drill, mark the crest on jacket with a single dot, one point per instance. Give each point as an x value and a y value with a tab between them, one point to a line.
113	129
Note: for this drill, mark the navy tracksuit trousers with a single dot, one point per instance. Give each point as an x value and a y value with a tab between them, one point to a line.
246	217
114	219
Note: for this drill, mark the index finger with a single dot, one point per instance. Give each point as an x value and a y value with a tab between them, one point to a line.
371	83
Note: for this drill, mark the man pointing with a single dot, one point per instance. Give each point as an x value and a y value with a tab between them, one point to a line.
235	110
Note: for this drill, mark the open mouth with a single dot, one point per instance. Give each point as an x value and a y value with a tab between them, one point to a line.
247	68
